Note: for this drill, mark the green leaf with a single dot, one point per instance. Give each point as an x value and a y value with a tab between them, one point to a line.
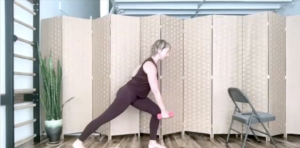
51	93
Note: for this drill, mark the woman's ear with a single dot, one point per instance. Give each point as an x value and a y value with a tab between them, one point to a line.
159	51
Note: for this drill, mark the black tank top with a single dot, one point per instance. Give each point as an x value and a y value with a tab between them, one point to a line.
139	83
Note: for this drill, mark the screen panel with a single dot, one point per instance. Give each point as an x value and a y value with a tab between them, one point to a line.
101	68
197	74
227	69
125	57
172	73
150	32
292	74
51	41
77	73
277	66
255	62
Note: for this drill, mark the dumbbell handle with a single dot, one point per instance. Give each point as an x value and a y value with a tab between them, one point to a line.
171	114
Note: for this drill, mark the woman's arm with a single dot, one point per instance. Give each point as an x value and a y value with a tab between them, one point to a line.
151	72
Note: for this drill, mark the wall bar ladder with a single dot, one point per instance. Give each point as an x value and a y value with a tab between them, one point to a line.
8	98
34	93
36	71
30	94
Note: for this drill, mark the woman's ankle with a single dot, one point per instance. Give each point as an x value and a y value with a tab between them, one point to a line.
78	144
152	141
154	144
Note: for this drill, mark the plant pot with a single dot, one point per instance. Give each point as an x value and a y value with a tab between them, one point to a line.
53	130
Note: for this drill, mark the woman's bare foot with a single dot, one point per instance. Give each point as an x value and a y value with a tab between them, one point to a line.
154	144
78	144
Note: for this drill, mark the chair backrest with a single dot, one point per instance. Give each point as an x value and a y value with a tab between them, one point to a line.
237	95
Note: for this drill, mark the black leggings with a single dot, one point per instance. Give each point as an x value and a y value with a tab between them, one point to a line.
124	98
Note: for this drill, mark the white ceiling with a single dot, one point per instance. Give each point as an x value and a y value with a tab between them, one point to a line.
189	8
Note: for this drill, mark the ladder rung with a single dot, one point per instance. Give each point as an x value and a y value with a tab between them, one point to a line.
25	106
24	24
25	123
25	41
24	91
20	142
24	57
25	74
25	8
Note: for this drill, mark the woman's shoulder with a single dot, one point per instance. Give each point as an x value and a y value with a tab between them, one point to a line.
149	61
149	66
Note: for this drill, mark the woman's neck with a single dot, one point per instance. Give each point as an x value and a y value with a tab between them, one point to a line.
155	58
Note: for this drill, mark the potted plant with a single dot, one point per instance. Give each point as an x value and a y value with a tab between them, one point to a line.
51	97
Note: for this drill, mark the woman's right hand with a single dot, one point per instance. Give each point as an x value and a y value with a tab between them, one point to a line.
165	114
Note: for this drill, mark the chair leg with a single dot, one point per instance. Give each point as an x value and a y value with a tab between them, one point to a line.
229	131
273	141
257	139
246	136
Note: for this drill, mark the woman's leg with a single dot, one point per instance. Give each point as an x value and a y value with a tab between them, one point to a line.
150	107
124	98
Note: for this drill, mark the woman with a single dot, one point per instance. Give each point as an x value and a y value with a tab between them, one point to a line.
135	92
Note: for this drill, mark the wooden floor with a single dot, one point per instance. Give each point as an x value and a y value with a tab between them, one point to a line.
191	140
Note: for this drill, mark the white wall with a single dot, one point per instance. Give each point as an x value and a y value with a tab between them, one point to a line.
2	77
2	47
48	8
104	7
2	127
291	9
23	65
75	8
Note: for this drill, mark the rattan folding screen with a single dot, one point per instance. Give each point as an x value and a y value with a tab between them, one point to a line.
197	75
172	73
263	78
116	53
292	74
70	40
208	55
226	69
150	32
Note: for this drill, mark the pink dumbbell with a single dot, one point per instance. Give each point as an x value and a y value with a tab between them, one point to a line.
171	114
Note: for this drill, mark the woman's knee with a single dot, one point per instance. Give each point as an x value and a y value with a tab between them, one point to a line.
155	110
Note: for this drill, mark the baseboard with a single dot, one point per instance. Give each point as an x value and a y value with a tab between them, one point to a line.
27	144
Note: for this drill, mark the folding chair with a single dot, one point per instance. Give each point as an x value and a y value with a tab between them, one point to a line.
248	118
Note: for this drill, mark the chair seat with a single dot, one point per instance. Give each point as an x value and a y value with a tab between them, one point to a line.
244	117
